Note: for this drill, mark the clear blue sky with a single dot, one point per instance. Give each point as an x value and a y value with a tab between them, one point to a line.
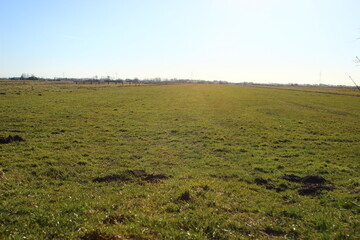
267	41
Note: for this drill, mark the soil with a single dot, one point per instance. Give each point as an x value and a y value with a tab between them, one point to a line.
11	139
314	189
312	185
112	178
185	196
268	185
313	179
261	181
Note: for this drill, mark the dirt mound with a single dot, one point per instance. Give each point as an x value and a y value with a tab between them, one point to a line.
95	235
307	179
131	175
314	189
261	181
11	139
112	178
313	179
185	196
268	185
312	185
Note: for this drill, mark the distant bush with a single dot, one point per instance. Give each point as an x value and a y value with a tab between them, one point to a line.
27	77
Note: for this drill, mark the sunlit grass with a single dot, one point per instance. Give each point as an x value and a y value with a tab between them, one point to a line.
212	141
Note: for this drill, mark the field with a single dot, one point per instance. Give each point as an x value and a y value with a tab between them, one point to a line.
178	162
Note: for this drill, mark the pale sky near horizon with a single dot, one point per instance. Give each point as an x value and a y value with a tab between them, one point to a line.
263	41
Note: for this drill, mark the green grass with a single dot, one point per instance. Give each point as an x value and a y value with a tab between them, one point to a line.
213	140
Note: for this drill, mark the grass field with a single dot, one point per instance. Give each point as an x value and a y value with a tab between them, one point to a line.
178	162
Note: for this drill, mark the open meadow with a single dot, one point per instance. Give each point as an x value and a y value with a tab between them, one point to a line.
178	162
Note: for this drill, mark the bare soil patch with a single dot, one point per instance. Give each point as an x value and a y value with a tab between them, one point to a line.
312	185
185	196
11	139
268	185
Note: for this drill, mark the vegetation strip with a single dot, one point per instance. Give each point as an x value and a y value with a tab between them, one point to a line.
306	91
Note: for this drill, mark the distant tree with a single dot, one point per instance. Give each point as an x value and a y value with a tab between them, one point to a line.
23	76
136	81
129	81
120	81
32	77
